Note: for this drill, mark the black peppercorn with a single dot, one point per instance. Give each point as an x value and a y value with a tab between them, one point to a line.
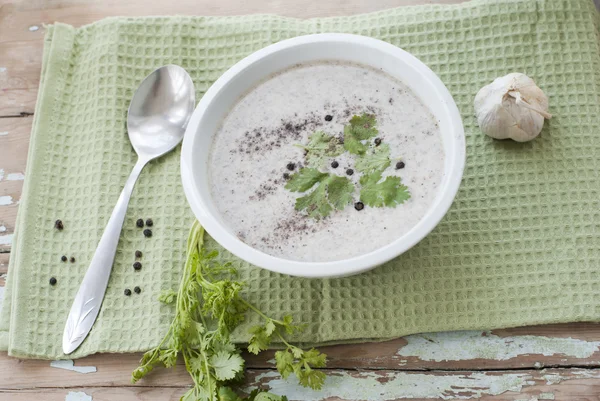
334	164
63	258
149	222
137	265
400	165
138	254
349	171
148	233
291	166
52	281
377	141
58	224
286	176
359	206
127	292
139	223
328	117
137	290
72	260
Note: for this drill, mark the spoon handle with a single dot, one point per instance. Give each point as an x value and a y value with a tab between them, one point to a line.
87	302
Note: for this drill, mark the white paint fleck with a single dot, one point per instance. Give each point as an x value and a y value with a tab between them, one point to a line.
397	385
538	365
272	361
2	229
6	239
33	28
15	177
68	364
5	200
1	174
78	396
467	345
546	396
3	133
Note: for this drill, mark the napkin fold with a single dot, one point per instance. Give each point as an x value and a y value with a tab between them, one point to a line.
520	245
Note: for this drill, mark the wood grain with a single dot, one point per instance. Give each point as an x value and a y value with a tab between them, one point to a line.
555	384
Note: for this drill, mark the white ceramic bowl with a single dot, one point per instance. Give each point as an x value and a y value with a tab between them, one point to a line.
247	73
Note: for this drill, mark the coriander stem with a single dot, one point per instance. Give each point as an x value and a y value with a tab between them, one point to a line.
249	305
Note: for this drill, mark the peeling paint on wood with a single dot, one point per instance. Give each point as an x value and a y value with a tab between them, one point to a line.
2	69
1	174
467	345
355	386
3	133
68	364
6	239
78	396
6	200
15	177
2	229
33	28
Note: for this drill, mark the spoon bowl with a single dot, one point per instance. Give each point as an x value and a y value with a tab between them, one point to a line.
159	109
157	118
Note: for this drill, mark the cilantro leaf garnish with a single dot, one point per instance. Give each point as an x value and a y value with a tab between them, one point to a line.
320	147
208	306
326	192
360	128
364	126
331	192
390	192
376	160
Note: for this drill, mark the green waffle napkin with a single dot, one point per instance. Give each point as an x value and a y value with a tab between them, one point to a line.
520	245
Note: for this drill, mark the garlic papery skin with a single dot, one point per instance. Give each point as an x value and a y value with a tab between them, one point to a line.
511	107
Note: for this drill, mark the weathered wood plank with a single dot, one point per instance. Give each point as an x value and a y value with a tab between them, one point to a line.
14	142
449	351
22	32
550	384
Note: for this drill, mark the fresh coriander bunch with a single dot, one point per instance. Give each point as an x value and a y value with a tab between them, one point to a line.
208	307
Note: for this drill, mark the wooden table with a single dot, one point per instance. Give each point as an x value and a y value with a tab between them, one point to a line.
556	362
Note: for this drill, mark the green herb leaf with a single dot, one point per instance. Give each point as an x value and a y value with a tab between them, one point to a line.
226	365
304	180
351	143
364	126
331	192
208	306
321	147
389	192
284	361
376	159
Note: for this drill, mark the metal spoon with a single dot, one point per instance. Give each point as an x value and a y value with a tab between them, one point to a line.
158	115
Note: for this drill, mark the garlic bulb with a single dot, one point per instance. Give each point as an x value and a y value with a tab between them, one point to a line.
511	107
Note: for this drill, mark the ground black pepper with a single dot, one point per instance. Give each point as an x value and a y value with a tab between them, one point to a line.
137	265
349	171
52	281
291	166
359	206
137	289
148	233
63	258
400	165
328	117
138	254
139	223
377	141
127	292
58	224
149	222
72	260
335	164
286	176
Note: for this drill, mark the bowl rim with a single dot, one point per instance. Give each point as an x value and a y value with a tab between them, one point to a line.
338	268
